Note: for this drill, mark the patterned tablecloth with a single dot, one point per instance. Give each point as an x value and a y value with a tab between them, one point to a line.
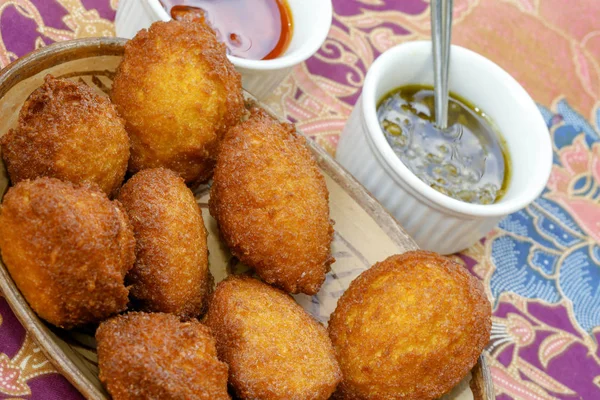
540	266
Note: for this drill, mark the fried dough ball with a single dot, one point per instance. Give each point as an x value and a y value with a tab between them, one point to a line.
171	268
410	327
67	131
272	205
179	94
68	248
156	356
275	350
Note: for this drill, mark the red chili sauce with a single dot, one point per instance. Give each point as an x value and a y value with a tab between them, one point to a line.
252	29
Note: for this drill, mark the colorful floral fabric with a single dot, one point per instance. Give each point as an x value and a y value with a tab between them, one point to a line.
540	266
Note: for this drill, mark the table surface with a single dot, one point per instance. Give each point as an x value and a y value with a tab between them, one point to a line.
540	266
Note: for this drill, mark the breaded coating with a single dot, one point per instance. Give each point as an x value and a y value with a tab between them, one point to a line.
171	269
274	349
68	248
156	356
179	94
272	205
67	131
410	327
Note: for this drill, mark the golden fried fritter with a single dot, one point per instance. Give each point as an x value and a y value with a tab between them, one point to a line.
179	94
274	349
271	203
69	132
156	356
171	268
410	327
68	248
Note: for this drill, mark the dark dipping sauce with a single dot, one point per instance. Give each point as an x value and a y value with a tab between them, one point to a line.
252	29
467	161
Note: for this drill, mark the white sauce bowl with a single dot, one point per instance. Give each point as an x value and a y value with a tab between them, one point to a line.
438	222
311	23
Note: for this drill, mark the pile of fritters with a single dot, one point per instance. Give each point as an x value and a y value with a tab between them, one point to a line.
80	258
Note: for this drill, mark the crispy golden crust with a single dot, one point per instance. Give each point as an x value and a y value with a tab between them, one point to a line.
271	203
155	356
179	94
274	349
171	268
69	132
410	327
68	248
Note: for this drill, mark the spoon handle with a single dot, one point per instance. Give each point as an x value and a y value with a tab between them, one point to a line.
441	30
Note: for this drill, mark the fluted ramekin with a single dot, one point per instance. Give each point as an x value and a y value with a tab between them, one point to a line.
311	23
438	222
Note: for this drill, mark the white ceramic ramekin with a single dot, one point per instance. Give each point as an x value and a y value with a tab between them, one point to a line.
438	222
311	19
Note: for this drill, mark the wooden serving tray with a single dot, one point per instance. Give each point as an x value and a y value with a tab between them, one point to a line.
364	232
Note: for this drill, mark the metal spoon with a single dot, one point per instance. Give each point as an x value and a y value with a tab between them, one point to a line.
441	32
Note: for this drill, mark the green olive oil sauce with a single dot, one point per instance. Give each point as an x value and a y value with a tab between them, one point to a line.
467	161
